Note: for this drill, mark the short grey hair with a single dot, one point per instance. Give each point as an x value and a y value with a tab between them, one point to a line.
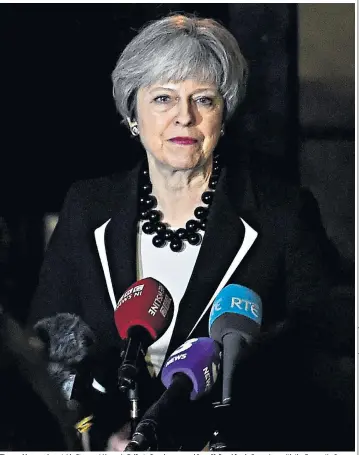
176	48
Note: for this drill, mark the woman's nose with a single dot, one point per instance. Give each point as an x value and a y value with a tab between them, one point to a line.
185	114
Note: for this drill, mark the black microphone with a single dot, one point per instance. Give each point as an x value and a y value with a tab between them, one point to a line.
86	372
69	341
234	322
26	385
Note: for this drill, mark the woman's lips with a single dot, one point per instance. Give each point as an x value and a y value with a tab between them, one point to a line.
183	140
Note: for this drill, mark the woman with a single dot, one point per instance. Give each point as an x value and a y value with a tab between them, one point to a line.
183	213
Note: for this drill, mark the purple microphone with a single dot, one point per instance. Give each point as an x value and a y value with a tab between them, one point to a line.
188	374
198	359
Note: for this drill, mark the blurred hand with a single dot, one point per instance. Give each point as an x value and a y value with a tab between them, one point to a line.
119	440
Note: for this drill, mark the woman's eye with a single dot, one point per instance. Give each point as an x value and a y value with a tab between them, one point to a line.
204	101
162	99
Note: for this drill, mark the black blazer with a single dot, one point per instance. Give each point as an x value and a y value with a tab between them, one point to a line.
284	264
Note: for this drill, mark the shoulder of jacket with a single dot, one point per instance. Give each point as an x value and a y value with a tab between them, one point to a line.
272	187
104	189
96	199
98	185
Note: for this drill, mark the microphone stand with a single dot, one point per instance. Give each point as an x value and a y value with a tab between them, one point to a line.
128	384
218	441
134	411
128	371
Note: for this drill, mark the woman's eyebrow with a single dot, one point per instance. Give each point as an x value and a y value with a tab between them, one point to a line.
161	88
198	90
205	89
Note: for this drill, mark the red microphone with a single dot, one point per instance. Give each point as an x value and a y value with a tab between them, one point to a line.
143	313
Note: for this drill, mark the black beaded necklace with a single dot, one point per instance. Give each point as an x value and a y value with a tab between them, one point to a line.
164	234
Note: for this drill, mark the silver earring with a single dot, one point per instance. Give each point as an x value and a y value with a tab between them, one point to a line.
134	130
222	131
133	126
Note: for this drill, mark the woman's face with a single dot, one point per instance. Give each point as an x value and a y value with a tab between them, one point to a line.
180	122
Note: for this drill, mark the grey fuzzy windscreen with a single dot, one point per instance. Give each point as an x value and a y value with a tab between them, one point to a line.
67	337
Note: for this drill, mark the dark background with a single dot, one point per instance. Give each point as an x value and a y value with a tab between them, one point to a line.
59	122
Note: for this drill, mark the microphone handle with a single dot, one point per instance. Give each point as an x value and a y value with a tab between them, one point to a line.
233	347
145	437
138	341
180	389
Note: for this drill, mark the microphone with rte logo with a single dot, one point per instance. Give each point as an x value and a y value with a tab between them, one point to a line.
235	320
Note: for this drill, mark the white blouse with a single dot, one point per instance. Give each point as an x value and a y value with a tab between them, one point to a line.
171	269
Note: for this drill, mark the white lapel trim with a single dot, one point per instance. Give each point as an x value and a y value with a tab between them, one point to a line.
100	243
250	236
